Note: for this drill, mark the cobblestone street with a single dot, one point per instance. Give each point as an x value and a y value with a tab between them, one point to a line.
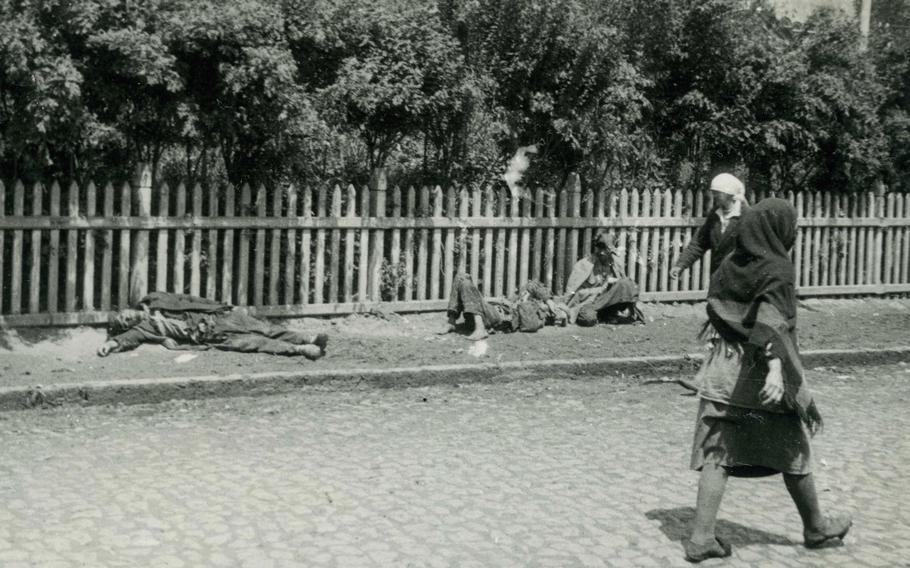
553	472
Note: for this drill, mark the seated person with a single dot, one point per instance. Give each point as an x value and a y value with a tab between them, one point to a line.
529	310
598	290
179	321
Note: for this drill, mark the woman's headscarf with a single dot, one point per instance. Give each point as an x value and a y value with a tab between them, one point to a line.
751	298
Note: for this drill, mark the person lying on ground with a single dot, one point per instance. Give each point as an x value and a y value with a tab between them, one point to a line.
529	310
597	289
718	233
179	321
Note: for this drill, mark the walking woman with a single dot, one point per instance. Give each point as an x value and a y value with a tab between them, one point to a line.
718	233
756	413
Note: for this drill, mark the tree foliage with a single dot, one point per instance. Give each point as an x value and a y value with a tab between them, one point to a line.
628	93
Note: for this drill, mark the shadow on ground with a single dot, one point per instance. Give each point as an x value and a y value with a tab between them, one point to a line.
676	525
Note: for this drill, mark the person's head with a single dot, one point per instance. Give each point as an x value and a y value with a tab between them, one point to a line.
727	189
602	247
121	321
767	229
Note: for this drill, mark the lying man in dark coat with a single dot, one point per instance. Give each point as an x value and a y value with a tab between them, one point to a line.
179	321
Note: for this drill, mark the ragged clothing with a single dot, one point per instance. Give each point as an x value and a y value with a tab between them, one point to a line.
752	303
529	310
184	322
597	288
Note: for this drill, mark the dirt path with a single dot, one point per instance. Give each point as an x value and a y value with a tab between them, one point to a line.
45	357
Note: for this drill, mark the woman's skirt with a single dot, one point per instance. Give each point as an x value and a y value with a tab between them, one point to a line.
750	442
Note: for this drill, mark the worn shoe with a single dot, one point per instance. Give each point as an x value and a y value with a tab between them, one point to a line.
449	328
831	533
321	341
698	552
311	352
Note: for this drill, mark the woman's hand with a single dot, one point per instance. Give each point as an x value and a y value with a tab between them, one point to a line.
773	391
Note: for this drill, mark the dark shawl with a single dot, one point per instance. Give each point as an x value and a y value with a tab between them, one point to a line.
752	297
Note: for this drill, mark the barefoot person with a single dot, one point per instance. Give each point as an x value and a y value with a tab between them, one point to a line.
756	414
530	309
718	233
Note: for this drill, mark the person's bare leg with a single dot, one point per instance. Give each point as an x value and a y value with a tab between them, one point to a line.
711	486
452	318
480	331
817	528
802	491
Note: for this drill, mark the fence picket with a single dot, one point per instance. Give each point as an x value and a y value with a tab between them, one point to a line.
905	239
16	255
575	212
842	253
72	251
688	205
644	261
422	245
88	262
463	208
537	258
666	249
319	259
161	263
275	250
475	237
179	242
549	251
871	239
196	246
211	260
34	281
799	205
243	254
562	212
449	270
499	277
53	253
588	234
878	200
363	267
123	279
410	210
854	256
633	269
305	249
623	242
823	206
106	253
517	257
378	189
487	245
888	241
436	255
335	248
395	253
290	256
350	238
259	253
227	267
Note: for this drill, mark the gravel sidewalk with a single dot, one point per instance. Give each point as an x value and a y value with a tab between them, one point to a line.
33	357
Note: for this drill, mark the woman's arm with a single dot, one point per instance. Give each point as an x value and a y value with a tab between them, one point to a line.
773	391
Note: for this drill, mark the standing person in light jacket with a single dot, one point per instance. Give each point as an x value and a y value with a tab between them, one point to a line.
718	233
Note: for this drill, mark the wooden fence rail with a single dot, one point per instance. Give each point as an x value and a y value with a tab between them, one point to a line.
68	255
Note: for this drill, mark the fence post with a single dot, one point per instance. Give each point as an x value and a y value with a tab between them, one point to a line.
139	273
378	185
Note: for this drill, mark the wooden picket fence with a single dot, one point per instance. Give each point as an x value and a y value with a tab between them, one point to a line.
300	251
